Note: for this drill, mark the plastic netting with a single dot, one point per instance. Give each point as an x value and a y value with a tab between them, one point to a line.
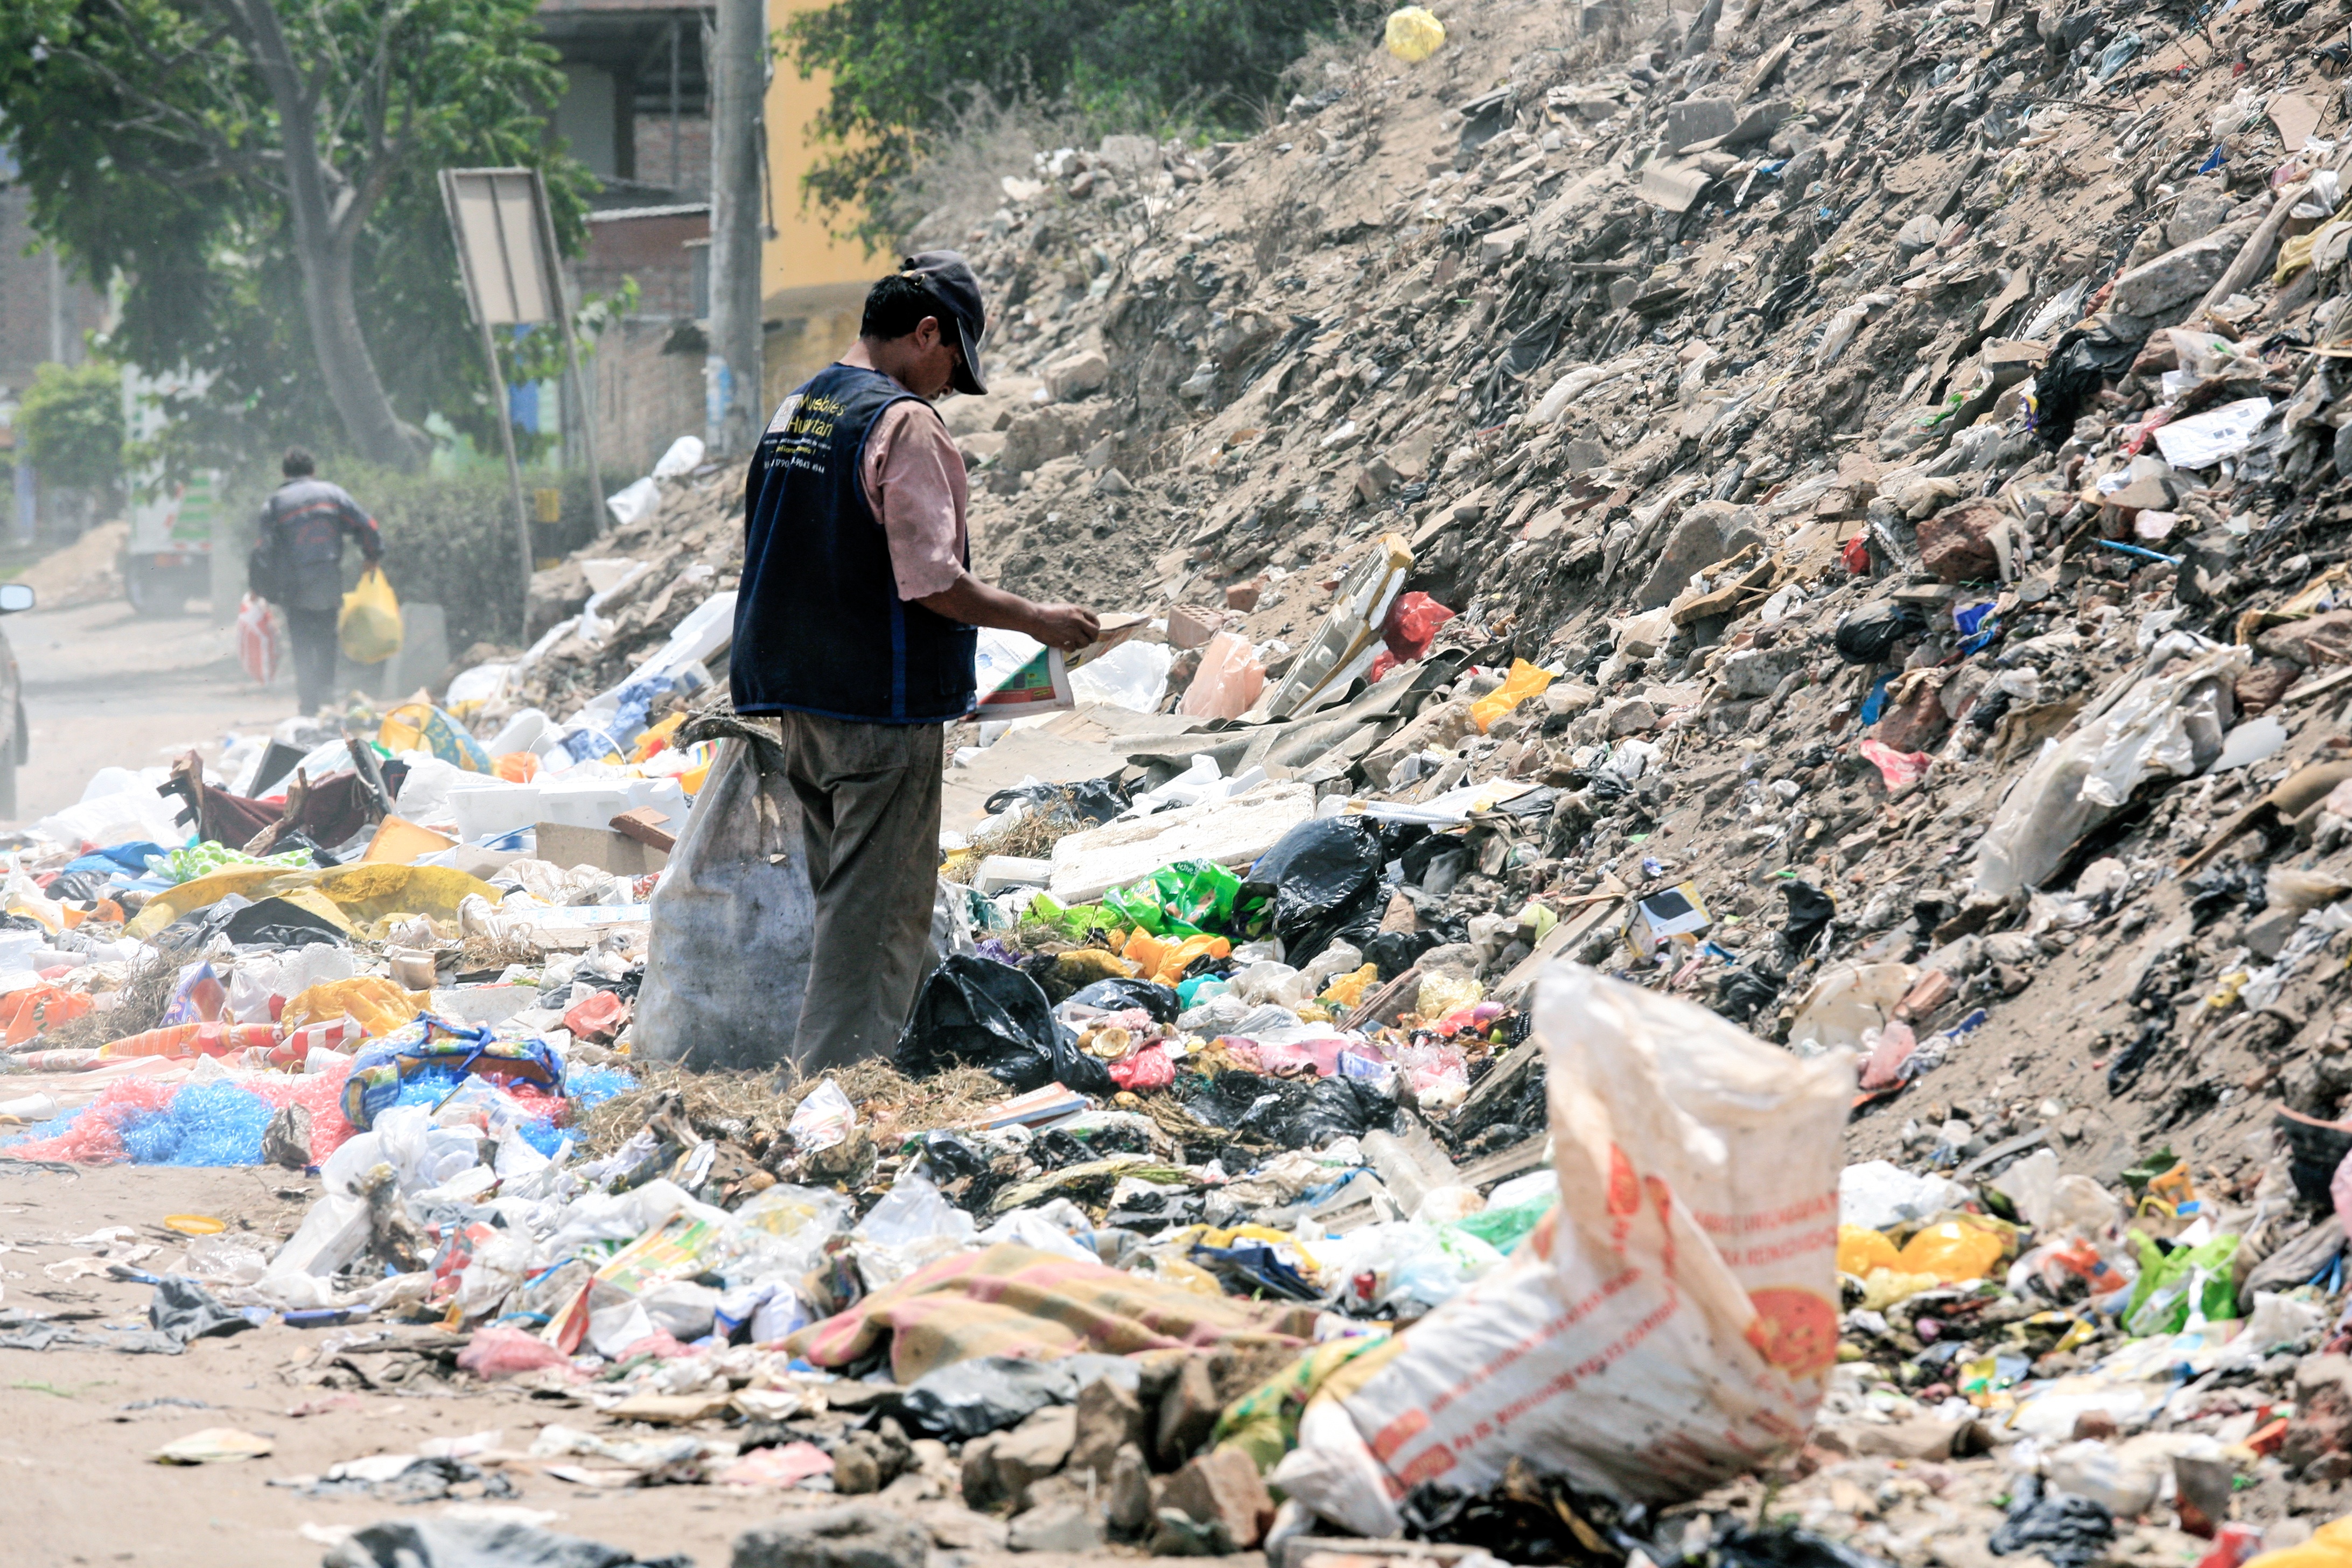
143	1123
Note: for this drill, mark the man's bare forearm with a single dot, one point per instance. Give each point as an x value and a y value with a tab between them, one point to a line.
976	604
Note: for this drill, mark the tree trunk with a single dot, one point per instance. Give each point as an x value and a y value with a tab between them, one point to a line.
322	246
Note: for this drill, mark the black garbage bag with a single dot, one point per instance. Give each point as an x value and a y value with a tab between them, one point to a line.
277	923
1295	1115
1397	951
1809	909
987	1393
1781	1547
187	1311
1746	992
1089	800
2083	362
1116	995
1528	1520
977	1010
1323	877
1865	634
2070	1530
78	886
949	1157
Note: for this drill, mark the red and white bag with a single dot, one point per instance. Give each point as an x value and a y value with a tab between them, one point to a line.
1674	1322
257	641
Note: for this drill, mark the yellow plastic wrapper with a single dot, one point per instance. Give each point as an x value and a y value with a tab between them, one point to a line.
1413	34
370	1001
1882	1287
1081	966
1862	1249
691	780
1442	993
422	727
1146	951
1172	968
1524	681
2330	1546
1951	1252
369	623
1348	990
657	738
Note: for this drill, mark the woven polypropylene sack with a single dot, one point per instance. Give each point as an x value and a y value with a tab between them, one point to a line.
729	952
1675	1322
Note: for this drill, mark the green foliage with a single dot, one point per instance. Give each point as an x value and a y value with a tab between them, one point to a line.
153	155
904	72
69	424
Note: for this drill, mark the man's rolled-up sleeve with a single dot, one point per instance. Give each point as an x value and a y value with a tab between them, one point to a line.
913	479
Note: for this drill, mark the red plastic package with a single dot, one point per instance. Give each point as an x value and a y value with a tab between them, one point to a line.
1856	556
497	1352
1146	1069
1411	624
597	1017
257	641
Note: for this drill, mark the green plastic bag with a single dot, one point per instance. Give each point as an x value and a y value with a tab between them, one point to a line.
1186	898
1505	1228
2161	1300
1076	919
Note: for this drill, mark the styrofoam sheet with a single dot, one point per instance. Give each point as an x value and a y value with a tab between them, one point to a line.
1230	832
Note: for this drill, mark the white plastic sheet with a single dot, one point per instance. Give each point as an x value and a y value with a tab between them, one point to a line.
2169	719
2203	439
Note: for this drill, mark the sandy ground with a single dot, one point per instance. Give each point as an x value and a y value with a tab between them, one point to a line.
107	685
79	1427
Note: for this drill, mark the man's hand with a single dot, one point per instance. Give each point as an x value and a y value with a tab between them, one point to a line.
1064	626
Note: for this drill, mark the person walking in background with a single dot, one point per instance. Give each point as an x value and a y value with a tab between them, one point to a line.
297	565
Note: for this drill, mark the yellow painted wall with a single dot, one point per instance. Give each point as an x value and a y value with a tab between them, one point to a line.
802	253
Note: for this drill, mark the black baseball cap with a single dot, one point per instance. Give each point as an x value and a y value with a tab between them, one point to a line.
949	279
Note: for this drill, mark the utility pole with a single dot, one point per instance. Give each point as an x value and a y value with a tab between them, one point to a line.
732	387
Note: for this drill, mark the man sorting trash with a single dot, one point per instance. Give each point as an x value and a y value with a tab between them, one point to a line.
856	628
297	565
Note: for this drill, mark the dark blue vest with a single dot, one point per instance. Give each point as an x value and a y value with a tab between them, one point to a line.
819	625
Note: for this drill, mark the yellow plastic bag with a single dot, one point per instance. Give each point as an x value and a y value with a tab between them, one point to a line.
1524	681
370	1001
1413	34
1951	1252
368	627
2330	1546
1444	993
1862	1249
1348	990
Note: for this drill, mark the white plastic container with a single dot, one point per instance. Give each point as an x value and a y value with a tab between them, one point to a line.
488	811
590	803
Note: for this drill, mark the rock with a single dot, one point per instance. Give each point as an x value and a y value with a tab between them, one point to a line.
1698	119
1035	439
1178	1534
2316	639
1110	1419
1222	1489
1758	671
1497	246
1634	718
2178	277
1707	533
1759	123
2259	690
1188	1413
2322	1426
1954	543
1037	1448
1128	155
859	1536
2267	932
1243	597
2200	210
1074	375
1057	1527
1111	482
1670	186
1128	1503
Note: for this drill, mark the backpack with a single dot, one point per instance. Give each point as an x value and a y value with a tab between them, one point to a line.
265	564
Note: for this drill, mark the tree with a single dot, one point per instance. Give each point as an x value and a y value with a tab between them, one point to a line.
901	68
258	174
70	420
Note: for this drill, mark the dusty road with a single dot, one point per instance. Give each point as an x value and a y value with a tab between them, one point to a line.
106	686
